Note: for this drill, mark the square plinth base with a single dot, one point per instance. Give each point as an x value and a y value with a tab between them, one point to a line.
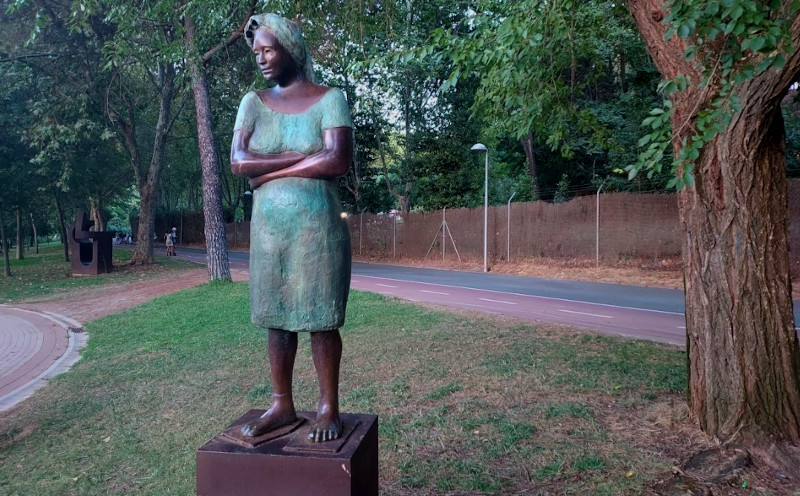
277	467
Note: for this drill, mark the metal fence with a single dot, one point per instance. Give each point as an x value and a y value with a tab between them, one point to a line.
628	226
625	226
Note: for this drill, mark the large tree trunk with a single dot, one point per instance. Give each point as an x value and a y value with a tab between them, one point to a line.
216	249
145	231
96	215
20	237
4	240
147	181
742	347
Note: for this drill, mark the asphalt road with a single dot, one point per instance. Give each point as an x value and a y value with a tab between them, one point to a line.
655	314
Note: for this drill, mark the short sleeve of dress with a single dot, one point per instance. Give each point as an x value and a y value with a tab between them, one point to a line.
337	112
247	114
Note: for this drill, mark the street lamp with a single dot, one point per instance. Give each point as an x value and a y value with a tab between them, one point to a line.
479	147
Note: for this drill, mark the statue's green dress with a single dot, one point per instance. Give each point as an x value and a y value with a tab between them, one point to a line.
299	242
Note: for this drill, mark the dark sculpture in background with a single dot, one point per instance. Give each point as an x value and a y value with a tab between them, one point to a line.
292	141
91	250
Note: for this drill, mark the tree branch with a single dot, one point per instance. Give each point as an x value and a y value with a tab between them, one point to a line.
181	105
234	36
16	58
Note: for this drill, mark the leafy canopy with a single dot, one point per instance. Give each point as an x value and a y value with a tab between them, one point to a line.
728	42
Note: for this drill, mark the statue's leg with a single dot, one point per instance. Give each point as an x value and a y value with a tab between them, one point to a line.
282	351
326	349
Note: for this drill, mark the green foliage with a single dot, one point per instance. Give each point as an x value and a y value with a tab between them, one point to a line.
536	60
728	42
574	76
561	191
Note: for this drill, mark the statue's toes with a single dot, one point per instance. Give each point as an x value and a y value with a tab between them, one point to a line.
321	435
253	429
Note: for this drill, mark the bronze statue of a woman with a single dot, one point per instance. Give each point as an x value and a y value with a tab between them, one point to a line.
293	141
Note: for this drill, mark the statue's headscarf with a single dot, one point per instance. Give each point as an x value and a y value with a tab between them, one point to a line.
288	34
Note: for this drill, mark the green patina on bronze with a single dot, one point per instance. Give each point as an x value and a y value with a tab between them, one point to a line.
300	246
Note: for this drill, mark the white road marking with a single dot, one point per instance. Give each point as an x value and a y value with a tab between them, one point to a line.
433	292
538	297
497	301
386	285
589	314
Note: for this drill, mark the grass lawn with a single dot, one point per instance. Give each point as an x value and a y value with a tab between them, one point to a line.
467	405
46	273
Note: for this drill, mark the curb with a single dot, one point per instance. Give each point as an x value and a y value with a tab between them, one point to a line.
77	341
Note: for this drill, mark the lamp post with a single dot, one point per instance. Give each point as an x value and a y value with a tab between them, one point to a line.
482	148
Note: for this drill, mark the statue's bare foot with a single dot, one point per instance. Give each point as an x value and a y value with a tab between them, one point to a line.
276	417
327	427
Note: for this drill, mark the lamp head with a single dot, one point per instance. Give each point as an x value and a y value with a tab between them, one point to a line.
479	147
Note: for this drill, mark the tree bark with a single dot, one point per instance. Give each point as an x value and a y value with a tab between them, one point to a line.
4	240
20	237
35	235
743	349
744	364
530	157
216	248
96	215
61	226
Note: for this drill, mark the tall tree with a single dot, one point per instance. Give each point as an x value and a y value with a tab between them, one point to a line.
147	173
728	65
105	67
218	268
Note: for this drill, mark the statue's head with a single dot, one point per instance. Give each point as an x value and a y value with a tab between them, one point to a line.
288	34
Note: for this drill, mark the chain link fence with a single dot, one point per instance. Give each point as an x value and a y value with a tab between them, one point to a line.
630	226
640	226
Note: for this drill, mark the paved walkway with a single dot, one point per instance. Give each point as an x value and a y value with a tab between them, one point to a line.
34	346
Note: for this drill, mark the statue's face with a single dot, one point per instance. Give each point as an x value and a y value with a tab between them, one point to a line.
273	60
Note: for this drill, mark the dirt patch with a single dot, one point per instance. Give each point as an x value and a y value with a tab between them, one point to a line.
89	304
661	273
666	273
22	434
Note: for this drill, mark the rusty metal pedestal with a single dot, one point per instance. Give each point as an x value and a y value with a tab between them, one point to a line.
289	465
